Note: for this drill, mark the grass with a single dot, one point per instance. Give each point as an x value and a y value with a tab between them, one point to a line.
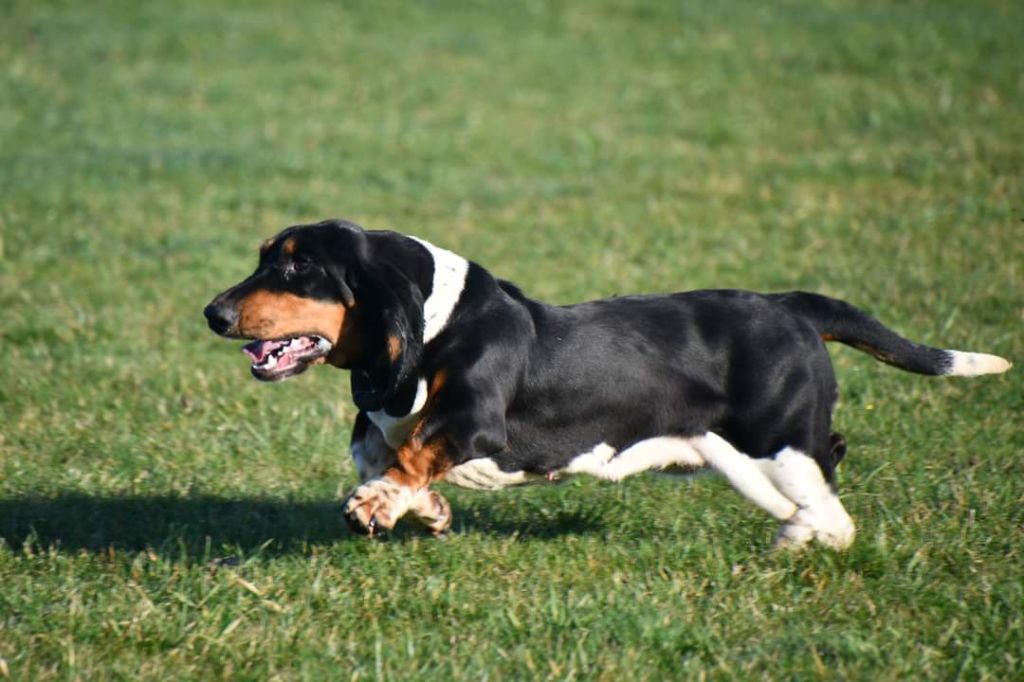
164	516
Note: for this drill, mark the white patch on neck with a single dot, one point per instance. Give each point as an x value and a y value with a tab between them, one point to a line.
396	429
449	280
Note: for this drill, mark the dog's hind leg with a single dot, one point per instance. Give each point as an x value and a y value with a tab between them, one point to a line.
653	453
821	515
790	486
745	475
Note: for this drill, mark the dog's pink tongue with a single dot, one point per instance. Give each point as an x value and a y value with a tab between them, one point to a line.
258	350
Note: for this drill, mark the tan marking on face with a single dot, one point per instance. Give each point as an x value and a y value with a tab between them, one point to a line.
272	315
394	348
289	246
354	342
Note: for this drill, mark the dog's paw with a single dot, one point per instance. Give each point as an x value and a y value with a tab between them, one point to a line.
433	511
833	529
376	506
796	532
838	533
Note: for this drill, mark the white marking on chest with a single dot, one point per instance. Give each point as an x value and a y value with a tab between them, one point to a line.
371	454
396	429
449	280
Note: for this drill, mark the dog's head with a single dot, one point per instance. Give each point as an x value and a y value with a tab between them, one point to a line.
330	292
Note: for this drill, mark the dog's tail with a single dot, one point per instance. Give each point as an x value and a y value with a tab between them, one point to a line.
839	321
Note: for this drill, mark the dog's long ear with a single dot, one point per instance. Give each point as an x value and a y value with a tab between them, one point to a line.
380	275
399	303
340	279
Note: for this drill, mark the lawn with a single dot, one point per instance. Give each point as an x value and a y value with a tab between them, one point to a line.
162	515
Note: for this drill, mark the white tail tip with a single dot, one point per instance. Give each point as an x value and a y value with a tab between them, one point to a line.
964	364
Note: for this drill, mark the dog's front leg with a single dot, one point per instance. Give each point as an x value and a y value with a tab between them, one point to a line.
432	511
459	422
372	456
379	503
376	506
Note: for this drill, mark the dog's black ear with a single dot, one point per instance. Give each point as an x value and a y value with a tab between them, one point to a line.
338	274
381	274
399	303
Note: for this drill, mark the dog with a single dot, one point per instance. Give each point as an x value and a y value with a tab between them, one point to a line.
460	377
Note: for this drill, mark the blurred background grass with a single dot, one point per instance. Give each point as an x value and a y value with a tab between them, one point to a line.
869	150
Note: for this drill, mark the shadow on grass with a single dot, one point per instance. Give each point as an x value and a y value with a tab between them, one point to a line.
197	526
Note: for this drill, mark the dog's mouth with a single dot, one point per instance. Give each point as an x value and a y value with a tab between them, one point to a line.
273	360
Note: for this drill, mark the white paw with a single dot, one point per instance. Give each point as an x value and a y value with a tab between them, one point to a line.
376	506
796	532
838	536
833	529
433	511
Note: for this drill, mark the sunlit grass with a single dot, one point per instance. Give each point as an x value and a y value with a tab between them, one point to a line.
871	151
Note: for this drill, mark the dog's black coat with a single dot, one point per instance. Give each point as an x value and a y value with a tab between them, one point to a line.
533	385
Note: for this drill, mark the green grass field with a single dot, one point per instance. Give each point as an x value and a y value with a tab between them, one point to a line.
870	150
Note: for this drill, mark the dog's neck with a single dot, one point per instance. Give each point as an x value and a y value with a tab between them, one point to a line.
448	282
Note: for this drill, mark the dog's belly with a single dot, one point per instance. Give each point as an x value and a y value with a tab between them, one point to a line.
668	453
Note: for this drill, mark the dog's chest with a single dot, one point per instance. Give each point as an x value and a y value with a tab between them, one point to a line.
396	429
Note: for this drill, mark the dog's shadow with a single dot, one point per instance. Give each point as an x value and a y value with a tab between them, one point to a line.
204	526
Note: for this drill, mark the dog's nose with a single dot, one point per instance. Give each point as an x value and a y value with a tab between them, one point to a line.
220	317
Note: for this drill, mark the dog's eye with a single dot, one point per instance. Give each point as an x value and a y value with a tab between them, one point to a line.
298	266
